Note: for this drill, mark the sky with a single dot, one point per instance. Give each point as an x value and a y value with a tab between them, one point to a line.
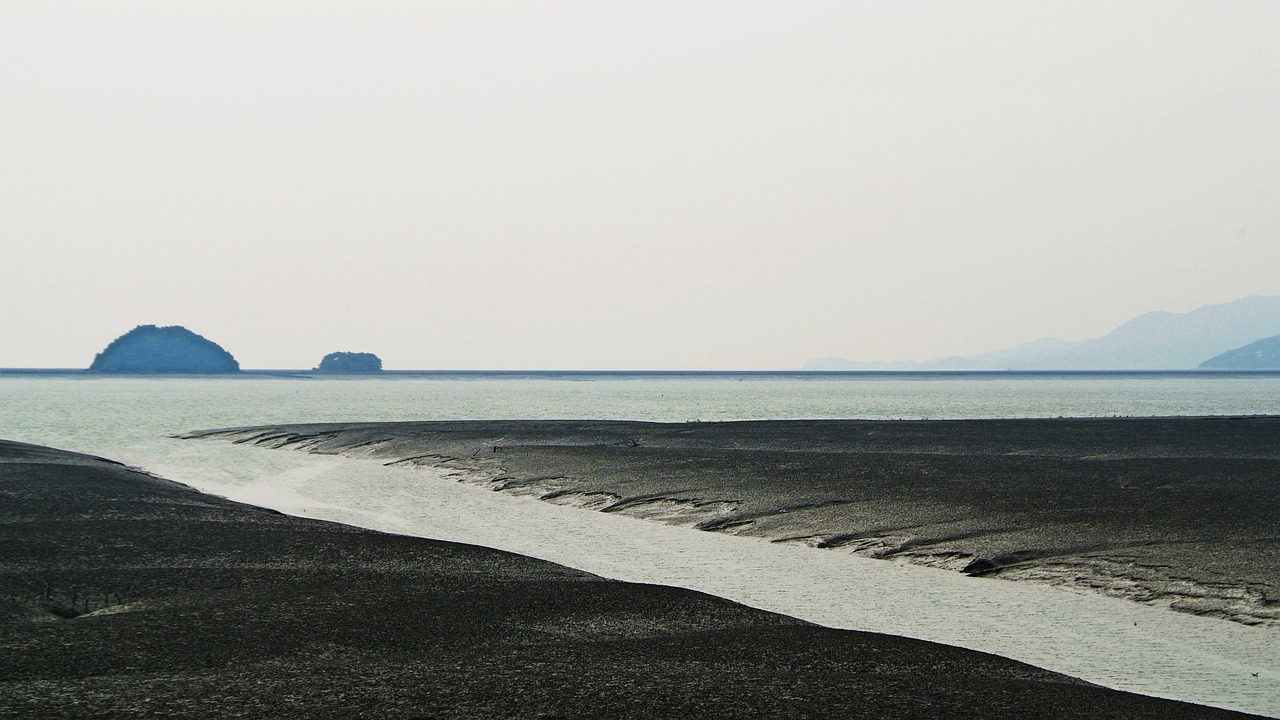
639	185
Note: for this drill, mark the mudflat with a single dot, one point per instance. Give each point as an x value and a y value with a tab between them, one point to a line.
127	595
1177	512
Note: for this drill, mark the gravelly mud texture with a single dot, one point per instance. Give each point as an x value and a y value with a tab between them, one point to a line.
125	595
1176	512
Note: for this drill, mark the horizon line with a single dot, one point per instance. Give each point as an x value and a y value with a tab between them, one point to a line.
659	372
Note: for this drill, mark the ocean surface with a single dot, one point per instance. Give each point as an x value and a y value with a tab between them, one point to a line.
1112	642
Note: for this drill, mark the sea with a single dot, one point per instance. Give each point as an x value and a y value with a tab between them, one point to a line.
1109	641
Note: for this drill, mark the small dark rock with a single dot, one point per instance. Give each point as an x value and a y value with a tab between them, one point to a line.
978	566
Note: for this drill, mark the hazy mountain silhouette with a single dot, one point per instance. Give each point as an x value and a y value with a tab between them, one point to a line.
1263	354
1153	341
1016	357
1169	341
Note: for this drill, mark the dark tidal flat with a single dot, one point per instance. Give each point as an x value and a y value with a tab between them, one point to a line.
1176	512
126	595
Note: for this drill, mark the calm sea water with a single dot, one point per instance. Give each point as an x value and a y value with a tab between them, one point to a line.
1112	642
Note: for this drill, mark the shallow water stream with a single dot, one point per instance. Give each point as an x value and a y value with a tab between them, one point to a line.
1113	642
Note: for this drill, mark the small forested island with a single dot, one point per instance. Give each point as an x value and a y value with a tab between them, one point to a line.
350	362
170	349
1261	354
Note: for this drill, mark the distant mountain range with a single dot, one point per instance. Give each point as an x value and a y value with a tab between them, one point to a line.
1263	354
1153	341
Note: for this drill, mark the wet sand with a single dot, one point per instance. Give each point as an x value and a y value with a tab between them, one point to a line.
129	595
1172	512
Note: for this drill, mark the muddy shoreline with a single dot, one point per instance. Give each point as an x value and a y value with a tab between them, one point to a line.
1173	512
124	594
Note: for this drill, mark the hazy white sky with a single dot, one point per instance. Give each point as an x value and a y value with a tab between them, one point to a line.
679	185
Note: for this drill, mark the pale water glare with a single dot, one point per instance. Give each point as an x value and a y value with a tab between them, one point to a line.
1113	642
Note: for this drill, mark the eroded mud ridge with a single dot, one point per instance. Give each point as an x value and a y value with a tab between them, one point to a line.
1177	512
125	595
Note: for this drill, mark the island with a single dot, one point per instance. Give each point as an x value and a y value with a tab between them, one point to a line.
1261	354
169	349
350	362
